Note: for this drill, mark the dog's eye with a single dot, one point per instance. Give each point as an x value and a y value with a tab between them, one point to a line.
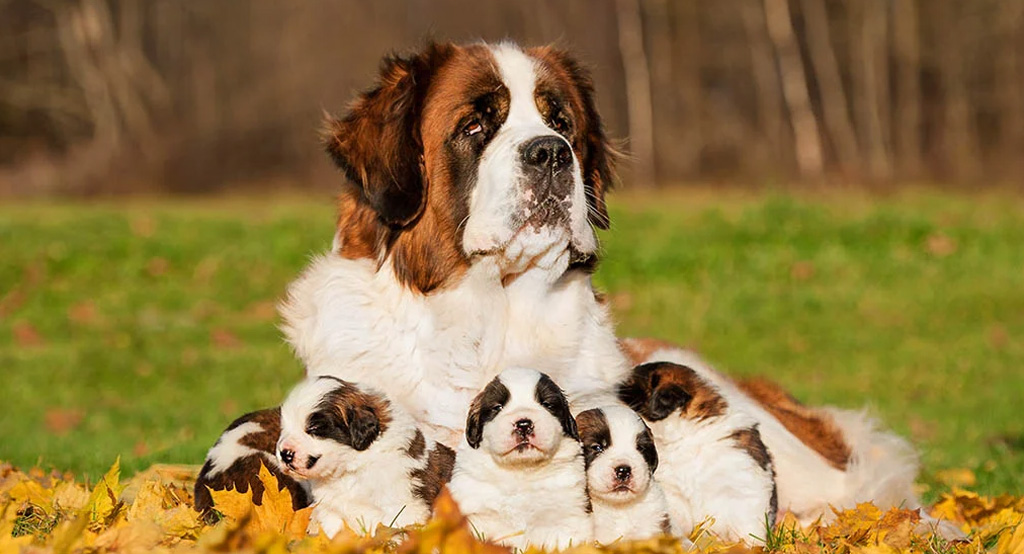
548	404
472	128
595	447
559	122
316	429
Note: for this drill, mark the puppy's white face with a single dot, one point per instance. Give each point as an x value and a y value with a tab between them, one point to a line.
520	418
619	452
326	424
529	204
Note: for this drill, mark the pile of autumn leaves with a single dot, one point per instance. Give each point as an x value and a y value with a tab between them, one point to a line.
152	513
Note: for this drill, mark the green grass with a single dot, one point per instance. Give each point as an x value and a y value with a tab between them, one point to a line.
142	329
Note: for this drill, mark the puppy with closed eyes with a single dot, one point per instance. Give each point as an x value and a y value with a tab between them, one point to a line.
713	463
620	457
519	472
364	457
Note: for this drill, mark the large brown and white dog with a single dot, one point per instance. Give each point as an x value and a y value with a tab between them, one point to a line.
465	239
465	242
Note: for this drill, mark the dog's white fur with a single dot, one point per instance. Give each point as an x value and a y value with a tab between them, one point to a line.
637	514
882	467
357	489
522	499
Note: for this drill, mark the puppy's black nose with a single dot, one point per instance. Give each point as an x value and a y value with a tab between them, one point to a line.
623	473
524	427
287	456
550	153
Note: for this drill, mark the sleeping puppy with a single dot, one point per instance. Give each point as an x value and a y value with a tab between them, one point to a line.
713	461
363	456
620	458
235	459
519	476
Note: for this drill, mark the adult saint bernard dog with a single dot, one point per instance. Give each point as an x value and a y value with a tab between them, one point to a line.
465	244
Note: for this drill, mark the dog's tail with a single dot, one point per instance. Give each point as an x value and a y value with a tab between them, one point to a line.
882	466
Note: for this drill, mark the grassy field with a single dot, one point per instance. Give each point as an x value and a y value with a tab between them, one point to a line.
142	329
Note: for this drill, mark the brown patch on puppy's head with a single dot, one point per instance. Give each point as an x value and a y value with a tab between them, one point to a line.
656	390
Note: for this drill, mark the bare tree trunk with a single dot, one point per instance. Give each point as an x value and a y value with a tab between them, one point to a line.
833	95
907	50
794	88
958	133
1010	86
638	89
870	81
766	81
688	83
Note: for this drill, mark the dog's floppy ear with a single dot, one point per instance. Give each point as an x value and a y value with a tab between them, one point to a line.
378	144
553	399
474	425
598	160
363	427
645	445
484	408
636	389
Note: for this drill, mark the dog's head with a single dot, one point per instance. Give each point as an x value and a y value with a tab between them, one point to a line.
521	417
326	423
468	152
619	452
657	390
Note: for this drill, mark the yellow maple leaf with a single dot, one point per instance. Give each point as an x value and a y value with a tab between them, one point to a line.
31	492
104	498
1012	542
153	503
274	513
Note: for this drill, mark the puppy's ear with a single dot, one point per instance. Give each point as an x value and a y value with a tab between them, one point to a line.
636	389
378	143
553	399
474	424
598	160
363	427
645	445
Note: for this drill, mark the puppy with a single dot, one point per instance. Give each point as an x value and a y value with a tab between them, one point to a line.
519	472
714	464
620	457
364	458
235	459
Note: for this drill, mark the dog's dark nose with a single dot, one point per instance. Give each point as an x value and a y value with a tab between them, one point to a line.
623	473
524	427
287	456
549	153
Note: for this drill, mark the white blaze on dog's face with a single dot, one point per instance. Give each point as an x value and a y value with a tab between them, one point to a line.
619	452
469	152
520	418
326	425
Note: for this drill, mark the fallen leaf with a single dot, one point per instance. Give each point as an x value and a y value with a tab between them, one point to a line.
802	271
940	245
222	338
60	421
83	313
26	335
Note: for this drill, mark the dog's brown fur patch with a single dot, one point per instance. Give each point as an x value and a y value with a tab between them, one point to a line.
432	477
813	427
243	473
660	378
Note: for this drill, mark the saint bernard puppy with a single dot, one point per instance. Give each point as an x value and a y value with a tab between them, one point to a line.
714	466
823	457
519	473
234	462
620	457
364	458
466	236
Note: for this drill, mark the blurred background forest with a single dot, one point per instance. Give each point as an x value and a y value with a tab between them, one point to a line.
115	96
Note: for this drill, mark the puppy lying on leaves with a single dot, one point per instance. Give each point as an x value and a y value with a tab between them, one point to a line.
519	475
618	448
362	458
714	464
